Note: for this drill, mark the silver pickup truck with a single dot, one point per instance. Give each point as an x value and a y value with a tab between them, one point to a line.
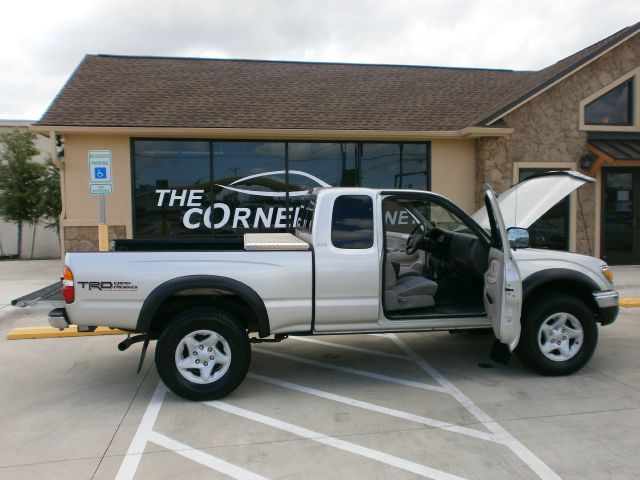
360	260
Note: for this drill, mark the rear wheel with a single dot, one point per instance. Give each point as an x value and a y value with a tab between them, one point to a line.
203	354
559	334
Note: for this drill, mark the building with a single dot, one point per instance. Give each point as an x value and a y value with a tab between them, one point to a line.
206	147
43	242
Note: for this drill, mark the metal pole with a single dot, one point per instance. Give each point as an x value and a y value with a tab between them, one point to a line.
103	229
103	214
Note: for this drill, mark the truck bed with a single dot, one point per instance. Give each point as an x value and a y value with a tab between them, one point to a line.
248	242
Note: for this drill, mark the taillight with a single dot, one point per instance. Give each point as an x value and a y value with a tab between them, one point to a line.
68	287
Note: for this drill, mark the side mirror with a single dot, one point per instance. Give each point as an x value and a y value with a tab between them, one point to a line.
518	237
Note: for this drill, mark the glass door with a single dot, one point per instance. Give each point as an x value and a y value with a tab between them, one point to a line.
621	216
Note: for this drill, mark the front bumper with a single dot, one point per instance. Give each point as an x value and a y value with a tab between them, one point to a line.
58	318
607	302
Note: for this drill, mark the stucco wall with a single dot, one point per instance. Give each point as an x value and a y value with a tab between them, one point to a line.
81	209
546	129
453	170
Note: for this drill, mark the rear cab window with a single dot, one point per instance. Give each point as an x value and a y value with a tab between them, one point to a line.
352	222
305	215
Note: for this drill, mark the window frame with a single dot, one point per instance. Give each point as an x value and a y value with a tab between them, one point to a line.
373	221
630	83
633	76
211	141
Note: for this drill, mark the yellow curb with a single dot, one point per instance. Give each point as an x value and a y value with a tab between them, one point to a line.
629	302
50	332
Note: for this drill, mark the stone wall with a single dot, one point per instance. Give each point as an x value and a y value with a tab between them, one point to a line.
546	130
85	239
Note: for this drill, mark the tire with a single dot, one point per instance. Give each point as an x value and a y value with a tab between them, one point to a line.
549	320
185	349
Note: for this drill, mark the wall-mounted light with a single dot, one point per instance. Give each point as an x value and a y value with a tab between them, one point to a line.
587	160
60	147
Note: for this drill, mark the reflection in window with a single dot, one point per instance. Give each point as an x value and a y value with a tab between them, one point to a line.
394	165
550	231
169	178
332	164
612	108
250	180
352	222
203	187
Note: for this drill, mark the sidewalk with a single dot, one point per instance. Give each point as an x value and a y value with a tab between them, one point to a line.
20	277
626	280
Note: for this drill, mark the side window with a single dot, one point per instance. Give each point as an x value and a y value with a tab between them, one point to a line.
398	218
612	108
352	222
305	214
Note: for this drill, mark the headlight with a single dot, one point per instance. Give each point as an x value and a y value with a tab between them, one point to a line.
606	271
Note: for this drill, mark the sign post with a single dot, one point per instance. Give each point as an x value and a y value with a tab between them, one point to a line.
100	184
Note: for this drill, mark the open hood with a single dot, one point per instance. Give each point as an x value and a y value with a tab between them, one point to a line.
527	201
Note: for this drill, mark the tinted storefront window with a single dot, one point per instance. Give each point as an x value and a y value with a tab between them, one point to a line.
250	186
394	165
332	164
219	187
169	179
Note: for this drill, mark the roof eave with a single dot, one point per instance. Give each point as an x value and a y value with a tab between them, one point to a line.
277	133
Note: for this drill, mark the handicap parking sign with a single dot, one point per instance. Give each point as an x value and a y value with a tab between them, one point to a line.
99	166
100	172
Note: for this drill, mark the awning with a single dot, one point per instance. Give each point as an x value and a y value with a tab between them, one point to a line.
613	149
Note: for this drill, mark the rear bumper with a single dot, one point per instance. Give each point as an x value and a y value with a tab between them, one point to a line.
608	304
58	318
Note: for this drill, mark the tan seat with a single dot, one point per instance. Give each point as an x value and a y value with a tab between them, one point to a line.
407	292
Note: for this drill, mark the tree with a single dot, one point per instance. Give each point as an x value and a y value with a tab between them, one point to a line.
21	180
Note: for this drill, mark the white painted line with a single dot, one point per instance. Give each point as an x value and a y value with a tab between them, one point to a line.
353	371
376	455
136	448
202	458
430	422
355	349
504	437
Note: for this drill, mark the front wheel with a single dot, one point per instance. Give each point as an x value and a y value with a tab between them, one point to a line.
203	354
559	335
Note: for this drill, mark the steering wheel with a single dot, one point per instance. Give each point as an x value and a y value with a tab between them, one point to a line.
414	240
435	240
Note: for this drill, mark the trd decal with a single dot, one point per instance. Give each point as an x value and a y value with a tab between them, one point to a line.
108	286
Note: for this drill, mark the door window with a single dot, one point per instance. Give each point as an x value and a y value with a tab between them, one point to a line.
620	213
352	222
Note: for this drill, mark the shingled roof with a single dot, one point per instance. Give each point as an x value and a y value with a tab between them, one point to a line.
124	91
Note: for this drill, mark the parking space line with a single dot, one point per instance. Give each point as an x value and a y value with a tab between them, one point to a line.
376	455
136	448
355	349
430	422
527	457
203	458
353	371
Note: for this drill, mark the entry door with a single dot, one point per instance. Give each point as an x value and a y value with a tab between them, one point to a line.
621	215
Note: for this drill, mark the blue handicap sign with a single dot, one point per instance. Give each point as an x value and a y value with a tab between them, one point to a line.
100	172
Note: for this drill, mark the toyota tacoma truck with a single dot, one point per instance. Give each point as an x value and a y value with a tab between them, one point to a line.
359	260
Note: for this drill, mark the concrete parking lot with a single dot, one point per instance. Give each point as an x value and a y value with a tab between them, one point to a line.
362	406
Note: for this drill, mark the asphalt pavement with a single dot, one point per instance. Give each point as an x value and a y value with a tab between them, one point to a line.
358	406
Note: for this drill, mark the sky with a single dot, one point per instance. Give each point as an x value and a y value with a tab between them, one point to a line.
43	41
